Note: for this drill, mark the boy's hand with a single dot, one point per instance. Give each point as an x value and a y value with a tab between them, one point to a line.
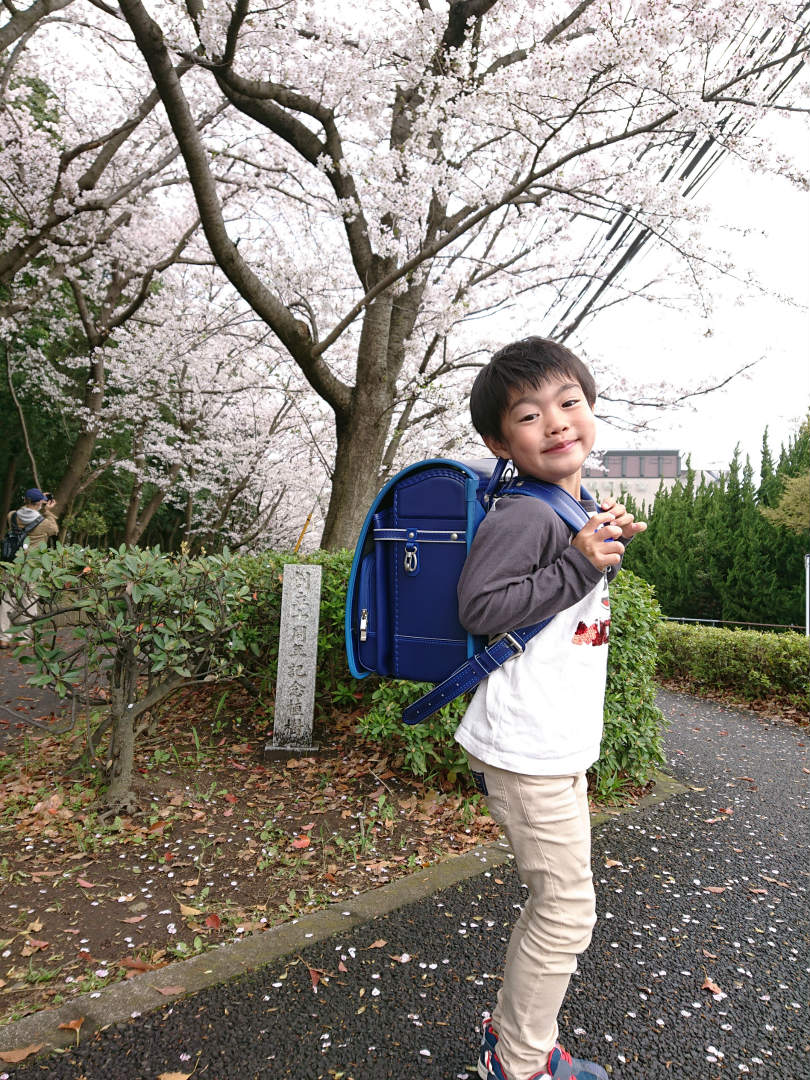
626	522
599	541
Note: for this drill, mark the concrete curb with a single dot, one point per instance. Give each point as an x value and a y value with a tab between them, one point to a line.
122	1000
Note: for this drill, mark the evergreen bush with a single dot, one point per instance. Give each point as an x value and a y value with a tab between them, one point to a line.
728	549
753	665
631	743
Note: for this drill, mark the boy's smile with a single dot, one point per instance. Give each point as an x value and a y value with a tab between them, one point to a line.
548	432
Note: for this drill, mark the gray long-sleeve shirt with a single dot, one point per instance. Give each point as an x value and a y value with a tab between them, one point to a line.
521	568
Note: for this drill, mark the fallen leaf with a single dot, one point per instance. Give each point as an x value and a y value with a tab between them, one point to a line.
715	888
301	842
134	919
712	986
316	978
379	944
186	910
169	991
132	963
72	1025
342	966
709	955
13	1056
612	862
174	1076
230	798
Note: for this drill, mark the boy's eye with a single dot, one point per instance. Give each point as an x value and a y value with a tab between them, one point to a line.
528	418
570	402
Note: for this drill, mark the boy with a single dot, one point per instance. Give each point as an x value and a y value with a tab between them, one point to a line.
534	726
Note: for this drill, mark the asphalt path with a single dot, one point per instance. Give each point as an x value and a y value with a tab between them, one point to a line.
699	967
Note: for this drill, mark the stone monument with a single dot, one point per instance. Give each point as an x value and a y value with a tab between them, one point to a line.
297	659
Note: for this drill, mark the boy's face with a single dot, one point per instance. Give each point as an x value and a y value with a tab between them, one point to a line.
548	432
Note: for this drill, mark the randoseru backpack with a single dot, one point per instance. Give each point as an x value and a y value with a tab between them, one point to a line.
15	537
401	615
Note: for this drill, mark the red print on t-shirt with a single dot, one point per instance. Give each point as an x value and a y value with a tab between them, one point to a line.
597	633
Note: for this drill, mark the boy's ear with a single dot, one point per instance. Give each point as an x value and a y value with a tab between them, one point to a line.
496	447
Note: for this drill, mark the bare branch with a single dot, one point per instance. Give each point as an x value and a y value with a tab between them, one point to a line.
23	21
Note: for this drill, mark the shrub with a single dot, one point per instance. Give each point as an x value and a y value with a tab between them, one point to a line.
751	664
631	743
152	621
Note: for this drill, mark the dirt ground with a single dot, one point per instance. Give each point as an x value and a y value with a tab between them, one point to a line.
227	843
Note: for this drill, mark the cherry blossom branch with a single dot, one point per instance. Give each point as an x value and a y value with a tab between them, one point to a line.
291	332
22	21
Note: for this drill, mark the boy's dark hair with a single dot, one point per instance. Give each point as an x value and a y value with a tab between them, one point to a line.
529	362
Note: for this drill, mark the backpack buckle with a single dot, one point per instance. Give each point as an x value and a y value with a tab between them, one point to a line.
510	639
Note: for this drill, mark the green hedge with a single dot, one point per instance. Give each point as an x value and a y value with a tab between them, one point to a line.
631	747
751	664
631	744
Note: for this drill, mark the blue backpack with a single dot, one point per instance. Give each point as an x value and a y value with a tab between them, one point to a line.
401	616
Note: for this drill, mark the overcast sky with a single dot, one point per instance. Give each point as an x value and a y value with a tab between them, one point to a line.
765	329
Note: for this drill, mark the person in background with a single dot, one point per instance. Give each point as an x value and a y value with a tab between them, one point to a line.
39	509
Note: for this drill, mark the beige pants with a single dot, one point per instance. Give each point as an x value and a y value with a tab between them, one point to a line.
11	611
547	823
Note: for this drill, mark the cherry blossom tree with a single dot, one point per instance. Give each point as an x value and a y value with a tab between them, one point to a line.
412	165
375	179
93	214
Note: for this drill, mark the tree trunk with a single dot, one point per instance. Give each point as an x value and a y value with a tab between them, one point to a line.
354	483
362	431
82	449
8	492
120	798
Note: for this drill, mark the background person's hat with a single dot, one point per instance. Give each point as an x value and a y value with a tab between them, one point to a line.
34	495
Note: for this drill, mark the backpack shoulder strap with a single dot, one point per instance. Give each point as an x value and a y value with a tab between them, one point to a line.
510	645
31	525
563	504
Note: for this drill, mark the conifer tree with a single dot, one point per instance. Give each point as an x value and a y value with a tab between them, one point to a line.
731	550
768	492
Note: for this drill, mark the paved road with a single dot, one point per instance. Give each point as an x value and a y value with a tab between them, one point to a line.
19	701
711	885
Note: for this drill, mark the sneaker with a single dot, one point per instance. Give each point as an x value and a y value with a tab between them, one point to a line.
561	1066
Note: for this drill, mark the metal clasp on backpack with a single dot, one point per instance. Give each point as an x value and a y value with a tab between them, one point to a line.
512	642
411	558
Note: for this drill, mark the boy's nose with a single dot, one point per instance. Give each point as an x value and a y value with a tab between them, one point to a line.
556	423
